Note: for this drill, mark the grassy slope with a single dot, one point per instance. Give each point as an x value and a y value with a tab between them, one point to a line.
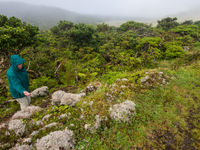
167	117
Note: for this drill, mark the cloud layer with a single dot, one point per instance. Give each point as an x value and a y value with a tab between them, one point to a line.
140	8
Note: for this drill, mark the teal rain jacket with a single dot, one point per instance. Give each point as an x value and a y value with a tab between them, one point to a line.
18	78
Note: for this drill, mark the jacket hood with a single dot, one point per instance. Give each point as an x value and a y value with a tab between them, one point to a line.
16	60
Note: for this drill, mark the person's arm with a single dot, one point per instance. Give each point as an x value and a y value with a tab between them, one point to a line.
17	86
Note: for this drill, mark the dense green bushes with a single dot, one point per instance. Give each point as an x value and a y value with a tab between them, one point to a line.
91	51
15	34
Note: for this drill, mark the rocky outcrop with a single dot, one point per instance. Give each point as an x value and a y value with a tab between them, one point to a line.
123	112
42	91
154	78
26	113
17	126
63	98
56	140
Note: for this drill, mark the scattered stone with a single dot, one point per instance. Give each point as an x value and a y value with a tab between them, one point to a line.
21	147
186	48
60	97
7	133
39	123
96	125
145	79
42	91
117	89
123	112
109	97
46	117
87	126
51	125
27	140
91	103
84	102
3	125
26	113
56	140
122	80
62	116
92	87
72	125
18	126
154	78
98	122
82	117
123	86
34	133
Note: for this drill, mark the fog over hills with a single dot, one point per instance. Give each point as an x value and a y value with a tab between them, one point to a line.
191	14
42	16
48	16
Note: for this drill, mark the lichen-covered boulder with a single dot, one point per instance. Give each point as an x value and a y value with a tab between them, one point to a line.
17	126
42	91
63	98
56	140
56	97
123	111
26	113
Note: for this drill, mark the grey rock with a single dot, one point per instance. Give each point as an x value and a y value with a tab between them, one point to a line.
145	79
26	113
62	116
92	87
123	111
42	91
27	140
46	117
17	126
51	125
56	140
122	80
34	133
3	125
186	48
60	97
21	147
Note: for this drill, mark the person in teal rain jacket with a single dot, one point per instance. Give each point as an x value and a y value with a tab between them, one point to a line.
18	81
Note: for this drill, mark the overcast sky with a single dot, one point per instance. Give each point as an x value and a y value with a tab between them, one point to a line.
144	8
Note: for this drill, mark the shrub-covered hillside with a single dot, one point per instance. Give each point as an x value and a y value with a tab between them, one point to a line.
103	87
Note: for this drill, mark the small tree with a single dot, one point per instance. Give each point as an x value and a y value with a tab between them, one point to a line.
15	35
167	23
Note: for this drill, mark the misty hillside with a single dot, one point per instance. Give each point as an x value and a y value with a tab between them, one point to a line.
46	17
191	14
43	16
